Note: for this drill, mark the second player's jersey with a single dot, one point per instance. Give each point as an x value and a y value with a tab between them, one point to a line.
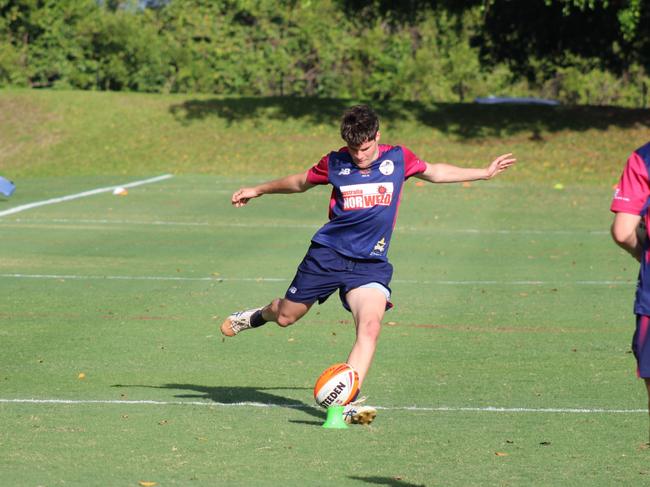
632	196
364	202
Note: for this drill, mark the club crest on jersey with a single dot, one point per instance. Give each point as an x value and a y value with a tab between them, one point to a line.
380	247
387	167
363	196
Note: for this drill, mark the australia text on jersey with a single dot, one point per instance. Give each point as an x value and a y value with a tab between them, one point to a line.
361	196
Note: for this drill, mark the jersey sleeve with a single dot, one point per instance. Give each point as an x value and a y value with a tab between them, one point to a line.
633	189
412	164
319	173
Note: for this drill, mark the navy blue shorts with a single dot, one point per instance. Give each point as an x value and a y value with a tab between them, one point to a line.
323	271
641	346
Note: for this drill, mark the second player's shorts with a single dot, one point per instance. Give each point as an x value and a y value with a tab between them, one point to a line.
323	271
641	346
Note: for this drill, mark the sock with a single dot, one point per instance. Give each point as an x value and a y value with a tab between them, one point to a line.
257	319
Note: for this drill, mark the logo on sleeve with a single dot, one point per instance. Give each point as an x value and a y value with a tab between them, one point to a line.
362	196
619	197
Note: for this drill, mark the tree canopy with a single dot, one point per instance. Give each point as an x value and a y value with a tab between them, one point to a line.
578	51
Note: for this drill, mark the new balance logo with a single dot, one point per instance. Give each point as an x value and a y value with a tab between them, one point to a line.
344	172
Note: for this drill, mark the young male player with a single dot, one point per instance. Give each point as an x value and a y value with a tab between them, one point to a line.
629	230
349	253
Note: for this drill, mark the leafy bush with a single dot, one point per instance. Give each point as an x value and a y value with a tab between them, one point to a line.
331	48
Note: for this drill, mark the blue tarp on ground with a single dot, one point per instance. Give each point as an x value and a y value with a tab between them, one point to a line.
513	100
7	188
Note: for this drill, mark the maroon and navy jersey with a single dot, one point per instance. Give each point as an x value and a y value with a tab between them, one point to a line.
632	196
364	202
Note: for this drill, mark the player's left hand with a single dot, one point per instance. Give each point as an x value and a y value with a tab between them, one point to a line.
499	165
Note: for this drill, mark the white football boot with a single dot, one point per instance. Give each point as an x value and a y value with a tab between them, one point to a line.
236	322
356	413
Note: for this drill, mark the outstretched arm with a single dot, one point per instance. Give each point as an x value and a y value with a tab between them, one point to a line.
446	173
296	183
625	234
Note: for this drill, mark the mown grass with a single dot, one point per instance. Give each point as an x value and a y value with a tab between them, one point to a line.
509	294
490	312
57	133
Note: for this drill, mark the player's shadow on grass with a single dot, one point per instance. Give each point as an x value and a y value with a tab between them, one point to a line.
390	481
233	395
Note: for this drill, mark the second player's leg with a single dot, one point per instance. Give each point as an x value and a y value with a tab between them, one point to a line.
647	385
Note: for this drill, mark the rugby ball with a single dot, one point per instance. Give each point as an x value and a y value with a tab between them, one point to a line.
336	386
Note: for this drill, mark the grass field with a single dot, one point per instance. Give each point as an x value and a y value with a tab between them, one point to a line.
506	360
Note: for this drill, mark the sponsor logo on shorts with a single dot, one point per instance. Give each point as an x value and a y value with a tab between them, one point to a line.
363	196
293	290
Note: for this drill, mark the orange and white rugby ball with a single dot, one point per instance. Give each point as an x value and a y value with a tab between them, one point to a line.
336	386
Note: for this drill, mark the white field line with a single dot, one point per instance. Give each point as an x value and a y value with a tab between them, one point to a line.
488	409
140	278
284	279
52	201
310	226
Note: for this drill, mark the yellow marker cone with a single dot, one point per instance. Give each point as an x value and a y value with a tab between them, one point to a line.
335	418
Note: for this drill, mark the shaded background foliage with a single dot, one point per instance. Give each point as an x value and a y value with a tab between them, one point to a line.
577	51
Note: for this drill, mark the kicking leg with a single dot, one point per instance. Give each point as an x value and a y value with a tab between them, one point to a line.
281	311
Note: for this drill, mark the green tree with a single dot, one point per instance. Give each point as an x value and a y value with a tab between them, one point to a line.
555	31
119	50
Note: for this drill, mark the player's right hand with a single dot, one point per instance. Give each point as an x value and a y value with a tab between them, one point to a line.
242	196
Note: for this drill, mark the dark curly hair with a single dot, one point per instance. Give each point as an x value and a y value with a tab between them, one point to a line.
359	124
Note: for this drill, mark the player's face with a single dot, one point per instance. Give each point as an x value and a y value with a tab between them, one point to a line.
363	155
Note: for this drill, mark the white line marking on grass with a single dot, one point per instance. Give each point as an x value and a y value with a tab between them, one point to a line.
492	409
403	229
488	409
141	278
284	279
36	204
86	221
78	222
